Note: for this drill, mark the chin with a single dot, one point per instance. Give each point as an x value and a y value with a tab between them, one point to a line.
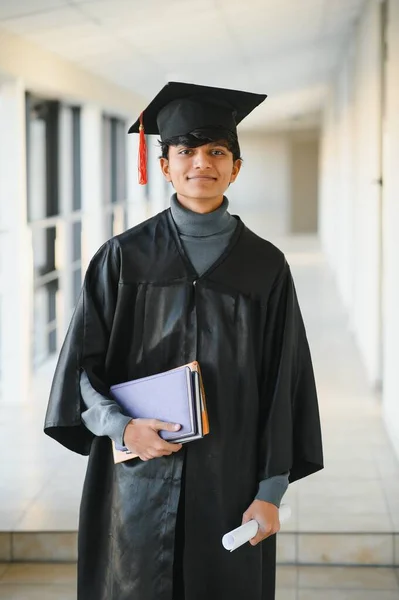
199	190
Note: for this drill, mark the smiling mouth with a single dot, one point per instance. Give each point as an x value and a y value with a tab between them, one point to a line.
203	177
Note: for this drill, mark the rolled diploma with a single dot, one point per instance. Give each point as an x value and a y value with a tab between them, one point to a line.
237	537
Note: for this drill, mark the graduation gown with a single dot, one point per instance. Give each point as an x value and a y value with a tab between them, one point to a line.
143	310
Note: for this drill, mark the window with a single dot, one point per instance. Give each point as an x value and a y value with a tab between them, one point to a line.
114	175
73	209
54	210
76	159
43	212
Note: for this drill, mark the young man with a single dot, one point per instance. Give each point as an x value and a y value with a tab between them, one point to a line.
192	283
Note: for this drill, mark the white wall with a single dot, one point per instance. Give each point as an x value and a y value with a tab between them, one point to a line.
350	197
51	75
16	288
137	205
273	183
158	191
26	67
391	231
303	206
263	184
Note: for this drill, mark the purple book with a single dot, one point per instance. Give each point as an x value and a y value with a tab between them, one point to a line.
168	396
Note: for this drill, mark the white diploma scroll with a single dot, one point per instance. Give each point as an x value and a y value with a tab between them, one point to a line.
236	538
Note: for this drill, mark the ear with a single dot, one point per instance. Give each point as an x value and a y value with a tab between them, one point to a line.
236	170
164	163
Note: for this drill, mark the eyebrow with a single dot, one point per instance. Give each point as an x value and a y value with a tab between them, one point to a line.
224	144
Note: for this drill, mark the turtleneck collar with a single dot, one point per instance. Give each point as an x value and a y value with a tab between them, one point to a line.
200	225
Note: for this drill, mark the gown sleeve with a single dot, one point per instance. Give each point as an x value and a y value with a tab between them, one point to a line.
101	415
85	348
289	425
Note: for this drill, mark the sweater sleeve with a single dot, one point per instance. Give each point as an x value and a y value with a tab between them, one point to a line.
102	416
273	489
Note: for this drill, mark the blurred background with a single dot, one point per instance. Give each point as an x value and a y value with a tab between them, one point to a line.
320	179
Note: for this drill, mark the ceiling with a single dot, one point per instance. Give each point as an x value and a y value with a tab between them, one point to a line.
285	48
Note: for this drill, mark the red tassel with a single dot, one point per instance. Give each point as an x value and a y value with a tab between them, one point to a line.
142	154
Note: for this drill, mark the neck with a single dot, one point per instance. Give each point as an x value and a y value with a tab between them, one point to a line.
195	224
202	206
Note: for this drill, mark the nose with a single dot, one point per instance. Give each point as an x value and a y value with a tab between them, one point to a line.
202	159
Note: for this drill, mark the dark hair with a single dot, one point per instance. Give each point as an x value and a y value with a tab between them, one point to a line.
200	137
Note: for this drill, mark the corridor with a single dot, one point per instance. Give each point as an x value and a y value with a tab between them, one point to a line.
346	515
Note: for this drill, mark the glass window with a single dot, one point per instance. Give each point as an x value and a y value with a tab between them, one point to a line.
77	283
44	250
76	241
43	212
42	158
76	159
45	321
114	175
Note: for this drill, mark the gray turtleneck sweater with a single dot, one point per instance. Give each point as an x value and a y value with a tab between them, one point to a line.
204	237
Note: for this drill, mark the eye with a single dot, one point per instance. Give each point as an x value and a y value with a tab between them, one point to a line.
185	151
218	152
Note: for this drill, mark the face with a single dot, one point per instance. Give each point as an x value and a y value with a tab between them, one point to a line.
200	174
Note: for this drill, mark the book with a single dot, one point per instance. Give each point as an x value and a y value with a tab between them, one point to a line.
174	396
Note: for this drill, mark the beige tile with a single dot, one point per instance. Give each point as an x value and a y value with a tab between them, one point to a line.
40	518
359	468
37	592
13	499
45	546
388	467
284	594
342	522
391	487
340	487
366	578
45	574
356	495
395	522
355	549
9	518
346	595
5	546
393	503
286	548
322	504
3	567
290	526
286	576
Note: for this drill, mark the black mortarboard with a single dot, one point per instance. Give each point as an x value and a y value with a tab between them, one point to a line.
180	108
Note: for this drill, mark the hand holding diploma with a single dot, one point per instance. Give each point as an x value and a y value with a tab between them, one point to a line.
255	530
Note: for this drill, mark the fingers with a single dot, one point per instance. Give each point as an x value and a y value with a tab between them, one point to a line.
265	529
159	449
163	448
158	425
246	517
148	444
264	532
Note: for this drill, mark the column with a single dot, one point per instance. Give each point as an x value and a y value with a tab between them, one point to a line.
92	180
16	251
158	196
137	205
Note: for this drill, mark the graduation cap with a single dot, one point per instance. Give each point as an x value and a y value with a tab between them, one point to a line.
180	108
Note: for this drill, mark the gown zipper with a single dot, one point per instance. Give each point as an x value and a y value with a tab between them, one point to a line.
195	319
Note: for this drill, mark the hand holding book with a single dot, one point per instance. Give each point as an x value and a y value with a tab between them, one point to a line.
142	438
156	404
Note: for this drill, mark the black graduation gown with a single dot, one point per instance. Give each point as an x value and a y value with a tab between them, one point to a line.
143	310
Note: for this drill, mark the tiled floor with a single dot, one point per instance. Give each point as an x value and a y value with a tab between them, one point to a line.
358	491
58	582
357	494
